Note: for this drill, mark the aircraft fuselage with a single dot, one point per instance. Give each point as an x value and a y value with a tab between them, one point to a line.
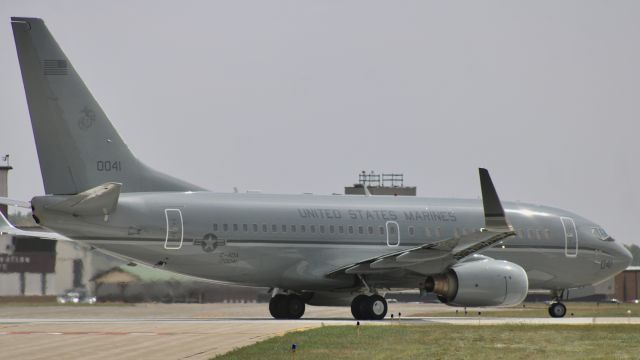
294	241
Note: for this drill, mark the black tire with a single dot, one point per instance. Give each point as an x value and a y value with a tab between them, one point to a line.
377	307
359	307
295	307
557	310
278	306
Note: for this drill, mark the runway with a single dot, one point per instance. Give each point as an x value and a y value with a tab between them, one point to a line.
160	331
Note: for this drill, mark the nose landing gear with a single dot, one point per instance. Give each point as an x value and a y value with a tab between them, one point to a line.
372	307
557	309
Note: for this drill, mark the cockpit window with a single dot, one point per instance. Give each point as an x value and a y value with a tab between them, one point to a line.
601	234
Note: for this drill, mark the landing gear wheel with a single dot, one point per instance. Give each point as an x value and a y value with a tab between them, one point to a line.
286	306
557	310
359	307
295	307
377	307
278	306
372	307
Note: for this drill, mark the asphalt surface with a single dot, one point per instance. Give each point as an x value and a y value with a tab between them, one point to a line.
182	331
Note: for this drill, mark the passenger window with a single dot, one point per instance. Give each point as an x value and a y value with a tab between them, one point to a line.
381	230
284	228
341	229
225	227
303	228
245	227
274	228
255	227
360	229
264	227
293	228
235	227
530	234
321	229
392	230
312	229
350	229
412	231
547	234
427	232
215	227
332	229
438	232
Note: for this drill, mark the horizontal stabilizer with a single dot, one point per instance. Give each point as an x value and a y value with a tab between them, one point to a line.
100	200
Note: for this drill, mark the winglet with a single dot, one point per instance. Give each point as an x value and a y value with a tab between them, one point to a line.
494	217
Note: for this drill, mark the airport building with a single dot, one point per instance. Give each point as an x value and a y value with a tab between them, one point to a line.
380	184
627	285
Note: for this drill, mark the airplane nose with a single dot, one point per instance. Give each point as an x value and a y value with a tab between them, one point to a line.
627	256
624	257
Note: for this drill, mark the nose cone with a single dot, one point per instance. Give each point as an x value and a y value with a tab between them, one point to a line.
623	257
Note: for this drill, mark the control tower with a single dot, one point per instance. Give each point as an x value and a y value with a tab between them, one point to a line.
381	184
4	181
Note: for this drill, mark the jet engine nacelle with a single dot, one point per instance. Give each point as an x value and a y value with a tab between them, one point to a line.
481	283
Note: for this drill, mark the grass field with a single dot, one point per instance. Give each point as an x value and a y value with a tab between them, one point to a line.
451	342
578	309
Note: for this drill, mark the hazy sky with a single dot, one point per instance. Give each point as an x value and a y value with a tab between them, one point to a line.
299	96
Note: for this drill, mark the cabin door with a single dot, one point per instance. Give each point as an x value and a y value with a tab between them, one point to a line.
570	237
393	233
175	229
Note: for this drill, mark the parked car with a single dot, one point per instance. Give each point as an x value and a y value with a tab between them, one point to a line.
76	296
612	301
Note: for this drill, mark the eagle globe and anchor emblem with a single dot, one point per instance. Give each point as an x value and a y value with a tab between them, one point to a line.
87	118
210	242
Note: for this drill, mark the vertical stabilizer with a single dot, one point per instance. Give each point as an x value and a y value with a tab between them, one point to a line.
78	148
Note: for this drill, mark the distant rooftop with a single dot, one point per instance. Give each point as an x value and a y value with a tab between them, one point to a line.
381	184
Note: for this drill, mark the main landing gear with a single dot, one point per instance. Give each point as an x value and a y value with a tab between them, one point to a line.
372	307
284	306
557	309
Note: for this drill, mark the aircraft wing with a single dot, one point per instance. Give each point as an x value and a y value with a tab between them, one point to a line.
447	251
7	228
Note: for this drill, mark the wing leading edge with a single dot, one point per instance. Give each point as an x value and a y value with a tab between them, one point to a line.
447	251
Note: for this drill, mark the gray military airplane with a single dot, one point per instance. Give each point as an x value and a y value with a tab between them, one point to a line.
319	250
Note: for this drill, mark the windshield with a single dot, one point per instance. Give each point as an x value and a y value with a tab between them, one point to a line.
601	234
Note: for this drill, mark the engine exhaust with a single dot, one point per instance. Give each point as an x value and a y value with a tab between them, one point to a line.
443	285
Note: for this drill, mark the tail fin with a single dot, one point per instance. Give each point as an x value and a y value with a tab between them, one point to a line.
77	146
